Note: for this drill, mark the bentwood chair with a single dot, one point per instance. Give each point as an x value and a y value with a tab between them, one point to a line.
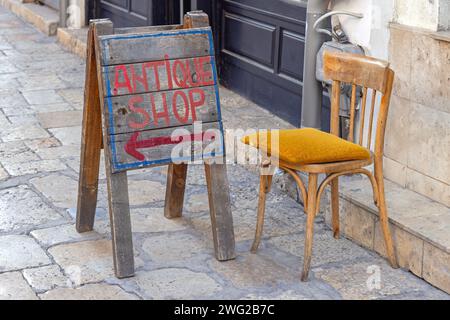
315	152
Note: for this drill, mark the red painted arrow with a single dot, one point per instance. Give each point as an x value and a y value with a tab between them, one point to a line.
133	144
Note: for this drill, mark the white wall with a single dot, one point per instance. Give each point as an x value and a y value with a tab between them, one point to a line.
371	32
418	13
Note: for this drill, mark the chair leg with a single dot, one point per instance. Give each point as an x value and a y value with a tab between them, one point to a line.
335	207
311	212
264	188
384	221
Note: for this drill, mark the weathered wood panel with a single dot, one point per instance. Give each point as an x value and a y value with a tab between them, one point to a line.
165	146
159	75
177	44
220	210
147	29
162	109
176	185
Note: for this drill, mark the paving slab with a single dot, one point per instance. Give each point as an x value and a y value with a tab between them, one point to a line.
14	287
46	278
22	209
20	252
89	292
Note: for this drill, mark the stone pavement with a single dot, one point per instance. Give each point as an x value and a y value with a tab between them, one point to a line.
42	256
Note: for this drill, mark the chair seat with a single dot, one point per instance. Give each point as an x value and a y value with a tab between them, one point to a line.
306	146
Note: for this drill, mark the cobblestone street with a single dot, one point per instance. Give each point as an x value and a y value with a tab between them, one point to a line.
43	257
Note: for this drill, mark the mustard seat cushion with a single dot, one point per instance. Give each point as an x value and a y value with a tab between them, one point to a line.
306	146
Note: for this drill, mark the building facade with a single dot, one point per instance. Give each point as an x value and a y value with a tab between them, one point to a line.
260	48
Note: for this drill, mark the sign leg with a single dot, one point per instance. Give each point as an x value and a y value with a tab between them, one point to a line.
220	210
119	212
176	185
91	145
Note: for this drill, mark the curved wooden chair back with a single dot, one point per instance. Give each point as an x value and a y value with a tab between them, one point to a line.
374	76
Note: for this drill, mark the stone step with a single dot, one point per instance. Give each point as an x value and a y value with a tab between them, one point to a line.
74	40
42	17
420	227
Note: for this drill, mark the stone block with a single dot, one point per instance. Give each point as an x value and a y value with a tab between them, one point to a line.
21	209
432	188
20	252
60	119
400	52
429	141
99	291
397	141
430	83
14	287
175	283
85	262
62	234
394	171
60	190
436	267
45	278
359	225
409	248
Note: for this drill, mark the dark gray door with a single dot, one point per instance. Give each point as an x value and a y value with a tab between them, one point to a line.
136	13
262	53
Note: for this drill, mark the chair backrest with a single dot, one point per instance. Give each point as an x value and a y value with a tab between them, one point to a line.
370	74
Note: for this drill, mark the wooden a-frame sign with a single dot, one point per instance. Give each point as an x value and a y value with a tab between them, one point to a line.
146	89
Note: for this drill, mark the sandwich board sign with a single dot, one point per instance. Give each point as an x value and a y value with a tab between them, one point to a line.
152	99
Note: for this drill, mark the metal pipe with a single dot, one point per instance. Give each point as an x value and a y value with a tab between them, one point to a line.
312	89
63	5
181	11
194	5
333	13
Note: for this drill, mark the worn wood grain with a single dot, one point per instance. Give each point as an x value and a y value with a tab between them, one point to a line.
162	109
356	69
220	211
147	29
167	45
91	143
176	185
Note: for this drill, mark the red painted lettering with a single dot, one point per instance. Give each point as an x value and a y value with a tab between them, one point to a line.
121	84
137	110
156	65
164	114
196	103
183	96
205	78
169	72
179	67
136	78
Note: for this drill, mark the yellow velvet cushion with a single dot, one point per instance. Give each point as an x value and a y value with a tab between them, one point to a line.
306	146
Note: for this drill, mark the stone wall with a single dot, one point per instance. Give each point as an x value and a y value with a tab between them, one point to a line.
418	133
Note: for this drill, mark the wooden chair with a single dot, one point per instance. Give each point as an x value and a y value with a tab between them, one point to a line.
345	158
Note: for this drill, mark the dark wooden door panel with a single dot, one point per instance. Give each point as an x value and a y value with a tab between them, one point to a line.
262	53
127	13
136	13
